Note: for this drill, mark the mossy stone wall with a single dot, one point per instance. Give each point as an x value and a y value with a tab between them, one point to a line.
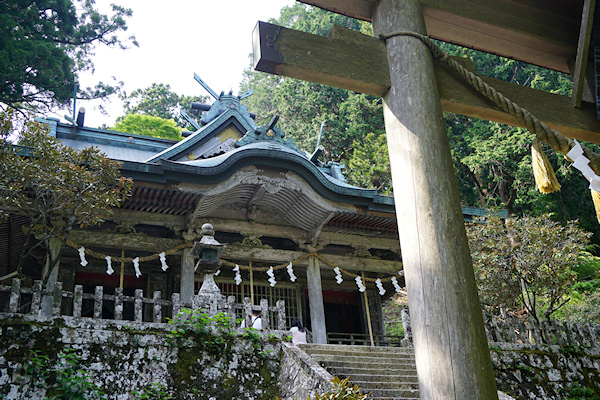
125	360
547	372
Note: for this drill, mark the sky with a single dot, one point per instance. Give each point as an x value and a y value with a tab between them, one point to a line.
178	38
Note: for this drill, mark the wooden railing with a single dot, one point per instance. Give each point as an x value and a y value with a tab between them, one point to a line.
360	339
546	332
160	307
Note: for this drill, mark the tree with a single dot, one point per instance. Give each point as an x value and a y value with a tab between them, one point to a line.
148	125
303	106
56	187
44	44
524	262
158	100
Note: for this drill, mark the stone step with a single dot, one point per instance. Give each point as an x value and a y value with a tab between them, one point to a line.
364	360
355	349
392	394
391	372
382	365
367	386
387	373
396	377
367	354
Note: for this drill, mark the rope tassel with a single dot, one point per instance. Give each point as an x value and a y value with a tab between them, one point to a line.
545	179
596	199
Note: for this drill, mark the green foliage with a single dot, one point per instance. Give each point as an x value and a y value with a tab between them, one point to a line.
525	260
158	100
343	390
55	186
303	106
63	379
576	391
45	43
587	310
148	125
392	317
589	268
363	171
156	391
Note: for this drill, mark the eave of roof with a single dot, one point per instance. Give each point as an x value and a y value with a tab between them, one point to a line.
202	135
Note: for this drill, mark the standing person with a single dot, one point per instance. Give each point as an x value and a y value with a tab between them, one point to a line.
256	320
298	332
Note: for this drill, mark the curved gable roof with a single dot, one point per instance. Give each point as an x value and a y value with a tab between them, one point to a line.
201	136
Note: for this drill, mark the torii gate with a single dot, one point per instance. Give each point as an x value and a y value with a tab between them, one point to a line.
452	354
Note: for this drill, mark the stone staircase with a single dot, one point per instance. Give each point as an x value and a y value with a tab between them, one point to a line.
388	373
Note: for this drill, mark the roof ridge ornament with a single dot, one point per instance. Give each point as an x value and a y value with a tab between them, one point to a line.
268	133
223	102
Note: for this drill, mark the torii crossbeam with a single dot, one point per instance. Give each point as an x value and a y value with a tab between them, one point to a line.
452	354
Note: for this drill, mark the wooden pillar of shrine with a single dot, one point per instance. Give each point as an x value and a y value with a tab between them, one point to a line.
315	301
452	355
50	273
186	287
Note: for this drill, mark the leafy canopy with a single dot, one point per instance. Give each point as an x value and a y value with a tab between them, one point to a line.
55	186
158	100
44	44
149	125
303	106
525	261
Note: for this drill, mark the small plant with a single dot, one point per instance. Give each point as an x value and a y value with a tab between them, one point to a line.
65	379
156	391
199	323
579	392
343	390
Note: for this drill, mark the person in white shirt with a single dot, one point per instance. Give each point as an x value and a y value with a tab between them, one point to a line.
256	321
298	332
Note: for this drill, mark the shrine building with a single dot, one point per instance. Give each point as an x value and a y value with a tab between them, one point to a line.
333	247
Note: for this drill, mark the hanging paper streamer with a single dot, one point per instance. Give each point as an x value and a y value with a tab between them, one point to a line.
380	286
396	286
218	272
237	278
581	163
136	267
163	261
338	275
81	251
290	270
359	283
109	268
271	274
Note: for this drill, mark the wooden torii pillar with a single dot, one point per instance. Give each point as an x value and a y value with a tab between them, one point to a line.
452	354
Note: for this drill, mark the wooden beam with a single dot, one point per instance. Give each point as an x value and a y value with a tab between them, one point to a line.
148	218
241	253
352	66
353	61
585	32
299	235
540	32
123	241
232	252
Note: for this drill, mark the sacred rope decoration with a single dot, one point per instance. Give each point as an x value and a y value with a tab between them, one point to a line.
545	178
236	267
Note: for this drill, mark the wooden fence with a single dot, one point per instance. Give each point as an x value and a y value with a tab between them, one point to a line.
546	332
161	308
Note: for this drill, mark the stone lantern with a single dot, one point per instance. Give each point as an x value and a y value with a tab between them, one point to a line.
207	250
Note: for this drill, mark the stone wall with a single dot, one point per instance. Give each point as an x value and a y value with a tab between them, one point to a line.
126	357
553	372
301	376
